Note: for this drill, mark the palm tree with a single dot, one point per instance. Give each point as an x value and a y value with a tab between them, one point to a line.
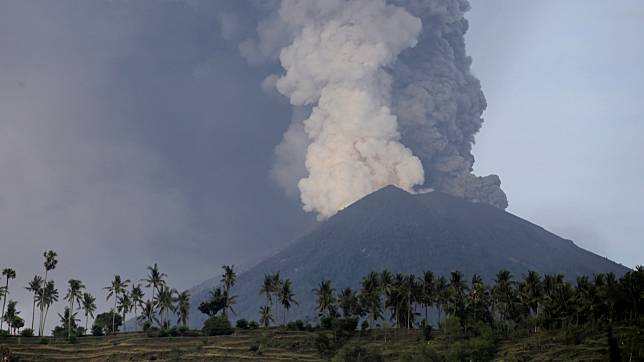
34	286
89	306
136	295
428	289
154	279
74	294
124	306
68	318
348	302
267	288
265	317
49	264
325	298
147	313
228	279
116	288
11	315
386	287
9	274
441	295
183	307
276	285
370	296
165	303
46	297
286	297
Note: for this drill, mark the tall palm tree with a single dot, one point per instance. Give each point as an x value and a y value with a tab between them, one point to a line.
228	279
116	288
11	315
34	286
68	318
503	294
46	297
267	288
147	313
154	279
386	287
89	306
124	306
428	289
265	316
74	294
183	307
276	285
8	273
325	295
441	295
286	297
136	295
165	303
50	264
370	296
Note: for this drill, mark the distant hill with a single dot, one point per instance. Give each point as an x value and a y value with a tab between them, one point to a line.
393	229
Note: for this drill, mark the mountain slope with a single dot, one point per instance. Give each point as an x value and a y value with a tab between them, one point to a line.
393	229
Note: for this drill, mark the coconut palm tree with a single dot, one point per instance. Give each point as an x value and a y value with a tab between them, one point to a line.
154	279
441	296
8	273
370	296
89	306
265	316
503	294
34	286
124	306
148	314
325	295
136	295
276	285
50	264
165	303
428	289
349	303
228	279
183	307
116	288
286	297
267	288
11	315
74	294
46	297
68	318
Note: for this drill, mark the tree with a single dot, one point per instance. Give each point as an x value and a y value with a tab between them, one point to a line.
441	295
46	297
154	279
183	307
165	303
147	314
265	316
370	296
34	286
116	288
428	290
49	264
349	303
215	303
89	306
267	288
11	315
67	324
8	273
136	295
286	297
74	294
228	279
325	295
108	322
503	295
124	305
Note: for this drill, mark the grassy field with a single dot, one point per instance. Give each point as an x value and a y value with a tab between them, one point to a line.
282	345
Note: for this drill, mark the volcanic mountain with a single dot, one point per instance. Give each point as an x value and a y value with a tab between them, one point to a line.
392	229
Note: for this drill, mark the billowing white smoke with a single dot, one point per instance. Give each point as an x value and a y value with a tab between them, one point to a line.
374	91
336	62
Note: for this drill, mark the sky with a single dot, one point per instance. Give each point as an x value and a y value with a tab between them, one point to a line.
135	132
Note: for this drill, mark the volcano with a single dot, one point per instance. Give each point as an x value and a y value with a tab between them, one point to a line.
392	229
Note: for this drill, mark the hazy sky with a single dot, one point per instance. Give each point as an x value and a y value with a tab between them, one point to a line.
134	133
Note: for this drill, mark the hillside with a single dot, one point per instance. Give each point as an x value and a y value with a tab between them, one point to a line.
401	232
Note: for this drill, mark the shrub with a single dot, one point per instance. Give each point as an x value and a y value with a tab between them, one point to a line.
359	354
97	330
183	330
324	344
4	333
27	332
427	332
365	325
174	332
255	348
217	325
242	324
326	322
73	339
44	340
164	333
152	332
146	326
253	325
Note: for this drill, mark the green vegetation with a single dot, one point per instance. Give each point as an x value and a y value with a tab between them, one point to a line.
389	317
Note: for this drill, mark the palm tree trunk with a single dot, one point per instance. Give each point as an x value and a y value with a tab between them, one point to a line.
6	291
69	322
114	314
41	326
33	314
86	320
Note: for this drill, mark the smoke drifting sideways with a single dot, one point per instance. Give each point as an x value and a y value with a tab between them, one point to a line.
383	95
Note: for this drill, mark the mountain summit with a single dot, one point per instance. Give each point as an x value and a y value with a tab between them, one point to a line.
392	229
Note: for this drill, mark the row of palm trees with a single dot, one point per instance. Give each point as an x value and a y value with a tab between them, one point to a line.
164	300
282	291
549	301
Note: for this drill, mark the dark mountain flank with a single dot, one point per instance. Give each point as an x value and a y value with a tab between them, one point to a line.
392	229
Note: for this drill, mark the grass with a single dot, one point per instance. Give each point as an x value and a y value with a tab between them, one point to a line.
276	344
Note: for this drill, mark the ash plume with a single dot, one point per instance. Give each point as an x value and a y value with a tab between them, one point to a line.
389	96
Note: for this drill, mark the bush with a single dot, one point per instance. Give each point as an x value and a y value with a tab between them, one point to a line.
164	333
326	322
73	339
152	332
253	325
146	326
174	332
4	333
365	325
216	326
27	332
359	354
97	330
183	330
324	345
242	324
427	332
44	340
